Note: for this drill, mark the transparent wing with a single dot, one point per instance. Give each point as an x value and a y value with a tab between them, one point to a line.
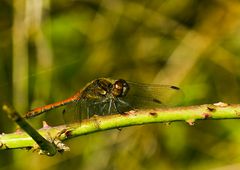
152	95
84	109
139	96
78	111
71	112
103	107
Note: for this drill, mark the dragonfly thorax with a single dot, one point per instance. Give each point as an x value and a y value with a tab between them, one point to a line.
110	89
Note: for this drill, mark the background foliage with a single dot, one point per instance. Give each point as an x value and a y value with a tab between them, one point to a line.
50	49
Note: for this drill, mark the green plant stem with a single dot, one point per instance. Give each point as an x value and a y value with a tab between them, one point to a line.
138	117
46	147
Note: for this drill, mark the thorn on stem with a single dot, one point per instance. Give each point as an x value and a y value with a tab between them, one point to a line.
237	113
221	104
206	115
18	130
119	129
154	114
66	132
191	122
168	123
45	125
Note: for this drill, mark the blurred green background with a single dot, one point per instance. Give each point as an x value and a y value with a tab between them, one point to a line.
50	49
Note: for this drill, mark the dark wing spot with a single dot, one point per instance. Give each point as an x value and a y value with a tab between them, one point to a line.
175	87
157	101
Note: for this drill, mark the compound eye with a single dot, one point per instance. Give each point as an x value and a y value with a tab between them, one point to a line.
120	88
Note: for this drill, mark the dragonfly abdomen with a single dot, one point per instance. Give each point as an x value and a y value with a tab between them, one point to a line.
39	110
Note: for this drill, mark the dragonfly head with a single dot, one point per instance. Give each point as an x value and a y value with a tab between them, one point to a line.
120	88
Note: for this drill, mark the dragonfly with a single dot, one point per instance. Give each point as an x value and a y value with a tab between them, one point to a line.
104	96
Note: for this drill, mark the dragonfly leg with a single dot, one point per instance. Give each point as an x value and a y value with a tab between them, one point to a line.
103	108
125	103
88	112
110	106
99	102
115	107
